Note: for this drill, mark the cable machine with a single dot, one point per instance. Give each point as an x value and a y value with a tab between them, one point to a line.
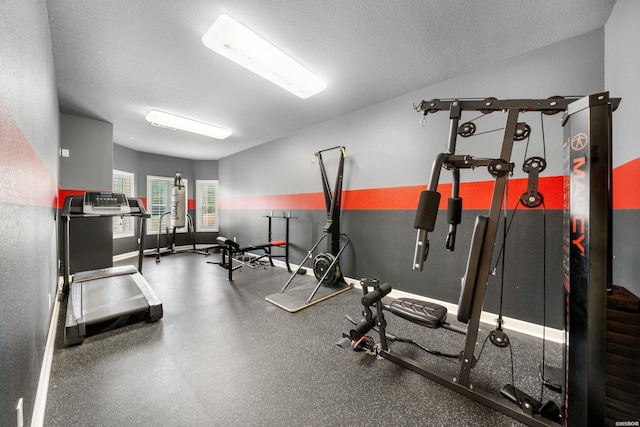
589	173
326	265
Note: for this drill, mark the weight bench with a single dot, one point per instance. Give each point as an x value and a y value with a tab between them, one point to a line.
230	249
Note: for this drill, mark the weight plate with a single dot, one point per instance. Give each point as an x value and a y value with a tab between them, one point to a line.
321	264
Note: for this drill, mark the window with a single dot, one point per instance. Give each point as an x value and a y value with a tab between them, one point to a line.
206	205
159	202
123	183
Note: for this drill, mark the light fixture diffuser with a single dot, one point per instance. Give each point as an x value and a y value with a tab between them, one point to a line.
239	44
171	121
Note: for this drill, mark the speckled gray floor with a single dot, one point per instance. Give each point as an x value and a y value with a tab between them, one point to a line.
223	356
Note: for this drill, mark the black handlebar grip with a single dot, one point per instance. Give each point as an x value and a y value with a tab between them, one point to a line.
427	210
454	210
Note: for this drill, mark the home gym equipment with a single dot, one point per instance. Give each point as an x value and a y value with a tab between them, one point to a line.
232	252
587	259
588	170
177	219
287	218
326	265
107	298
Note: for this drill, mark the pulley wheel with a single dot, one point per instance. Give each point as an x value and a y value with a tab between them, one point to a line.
522	132
433	104
499	338
467	129
321	264
498	167
534	163
531	201
552	112
488	102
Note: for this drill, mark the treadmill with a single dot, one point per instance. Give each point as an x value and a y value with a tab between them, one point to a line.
107	298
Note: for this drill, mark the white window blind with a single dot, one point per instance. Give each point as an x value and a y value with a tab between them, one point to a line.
206	205
123	183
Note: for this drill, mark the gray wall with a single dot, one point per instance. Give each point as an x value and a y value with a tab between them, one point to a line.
29	140
387	148
88	168
622	68
90	145
126	160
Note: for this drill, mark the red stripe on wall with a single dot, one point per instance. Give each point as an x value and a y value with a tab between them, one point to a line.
63	194
25	179
475	195
625	179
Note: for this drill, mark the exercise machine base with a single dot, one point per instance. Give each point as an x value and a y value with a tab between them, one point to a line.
494	402
105	299
295	299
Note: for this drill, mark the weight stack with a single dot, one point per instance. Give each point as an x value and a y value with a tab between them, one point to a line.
623	357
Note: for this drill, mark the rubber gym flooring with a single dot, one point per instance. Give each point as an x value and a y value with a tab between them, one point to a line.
223	356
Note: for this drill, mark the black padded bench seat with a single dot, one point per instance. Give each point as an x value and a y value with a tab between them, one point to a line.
421	312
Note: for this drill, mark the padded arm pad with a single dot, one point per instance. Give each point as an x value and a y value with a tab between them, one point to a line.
427	210
375	296
263	245
228	242
235	246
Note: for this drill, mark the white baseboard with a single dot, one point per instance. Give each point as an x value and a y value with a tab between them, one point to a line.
127	255
40	404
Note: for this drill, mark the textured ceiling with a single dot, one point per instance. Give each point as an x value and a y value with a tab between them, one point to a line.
117	59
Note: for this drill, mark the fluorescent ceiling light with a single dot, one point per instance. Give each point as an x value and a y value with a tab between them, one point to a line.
171	121
236	42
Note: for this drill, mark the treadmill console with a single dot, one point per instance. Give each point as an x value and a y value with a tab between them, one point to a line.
105	203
